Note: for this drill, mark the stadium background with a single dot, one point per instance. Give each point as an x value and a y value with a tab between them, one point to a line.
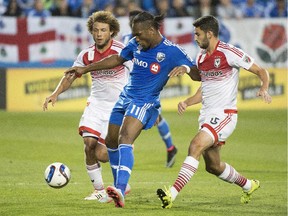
36	51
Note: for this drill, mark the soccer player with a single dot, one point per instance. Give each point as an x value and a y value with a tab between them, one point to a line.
138	106
163	126
105	90
218	64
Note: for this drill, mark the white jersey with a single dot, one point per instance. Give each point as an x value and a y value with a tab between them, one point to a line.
220	76
105	90
106	84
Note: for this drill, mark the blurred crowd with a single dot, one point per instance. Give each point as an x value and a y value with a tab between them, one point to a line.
226	9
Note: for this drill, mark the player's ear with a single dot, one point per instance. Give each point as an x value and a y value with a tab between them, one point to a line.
209	34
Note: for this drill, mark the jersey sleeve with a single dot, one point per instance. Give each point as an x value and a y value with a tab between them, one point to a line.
237	57
79	60
182	58
127	52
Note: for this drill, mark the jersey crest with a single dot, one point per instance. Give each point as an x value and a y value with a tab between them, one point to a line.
160	56
217	62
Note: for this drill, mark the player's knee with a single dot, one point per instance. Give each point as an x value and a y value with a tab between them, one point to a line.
90	144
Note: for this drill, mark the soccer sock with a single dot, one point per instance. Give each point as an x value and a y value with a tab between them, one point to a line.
188	169
232	176
125	166
164	131
114	162
95	173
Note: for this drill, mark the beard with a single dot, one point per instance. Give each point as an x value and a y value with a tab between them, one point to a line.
101	46
204	44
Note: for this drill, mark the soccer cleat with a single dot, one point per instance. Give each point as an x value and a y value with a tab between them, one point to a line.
101	196
165	197
128	189
246	195
116	195
171	155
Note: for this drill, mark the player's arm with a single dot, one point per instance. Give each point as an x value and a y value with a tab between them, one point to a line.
195	99
106	63
193	72
63	85
264	77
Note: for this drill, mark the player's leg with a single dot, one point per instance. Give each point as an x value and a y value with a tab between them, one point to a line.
189	167
94	169
164	131
227	173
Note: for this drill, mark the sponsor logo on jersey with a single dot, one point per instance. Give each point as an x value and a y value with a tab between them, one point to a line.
155	68
211	73
217	62
95	74
160	56
140	63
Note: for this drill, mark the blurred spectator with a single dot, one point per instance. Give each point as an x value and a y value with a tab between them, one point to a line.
133	5
148	5
26	5
61	8
191	5
102	4
75	4
86	9
121	8
48	4
163	7
204	8
252	9
226	10
179	8
279	10
38	10
13	9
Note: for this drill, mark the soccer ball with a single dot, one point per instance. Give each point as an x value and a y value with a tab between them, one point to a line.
57	175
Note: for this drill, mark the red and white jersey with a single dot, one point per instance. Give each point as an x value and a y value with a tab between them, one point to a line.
220	76
106	84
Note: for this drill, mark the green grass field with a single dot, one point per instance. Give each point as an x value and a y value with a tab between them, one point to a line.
31	141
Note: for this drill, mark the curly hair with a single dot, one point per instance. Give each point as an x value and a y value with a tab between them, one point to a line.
104	17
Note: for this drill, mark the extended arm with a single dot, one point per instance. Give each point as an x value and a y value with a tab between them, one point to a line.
106	63
264	77
63	85
181	70
195	99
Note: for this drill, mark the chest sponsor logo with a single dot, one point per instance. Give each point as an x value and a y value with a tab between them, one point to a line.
155	68
140	63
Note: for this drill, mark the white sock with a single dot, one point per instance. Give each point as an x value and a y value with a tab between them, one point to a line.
95	173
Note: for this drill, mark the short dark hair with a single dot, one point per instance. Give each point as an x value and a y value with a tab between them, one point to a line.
154	21
207	23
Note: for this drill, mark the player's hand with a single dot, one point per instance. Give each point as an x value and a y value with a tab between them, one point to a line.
180	70
181	107
77	70
265	95
51	99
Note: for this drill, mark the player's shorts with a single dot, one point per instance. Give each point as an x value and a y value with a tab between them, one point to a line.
146	112
219	125
94	122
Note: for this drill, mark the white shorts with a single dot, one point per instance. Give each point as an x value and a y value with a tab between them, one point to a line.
219	125
94	121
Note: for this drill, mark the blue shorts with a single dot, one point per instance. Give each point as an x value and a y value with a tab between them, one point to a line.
146	112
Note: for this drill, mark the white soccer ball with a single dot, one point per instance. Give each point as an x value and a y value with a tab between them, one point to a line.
57	175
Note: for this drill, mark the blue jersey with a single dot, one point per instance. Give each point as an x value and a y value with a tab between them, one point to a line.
151	68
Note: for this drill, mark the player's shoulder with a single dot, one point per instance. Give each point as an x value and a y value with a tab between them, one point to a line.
87	49
229	49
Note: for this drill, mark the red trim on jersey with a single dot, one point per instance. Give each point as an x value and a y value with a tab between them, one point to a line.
232	49
211	129
84	128
233	111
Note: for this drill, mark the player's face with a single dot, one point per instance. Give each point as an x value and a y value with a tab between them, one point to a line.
144	35
201	38
101	34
